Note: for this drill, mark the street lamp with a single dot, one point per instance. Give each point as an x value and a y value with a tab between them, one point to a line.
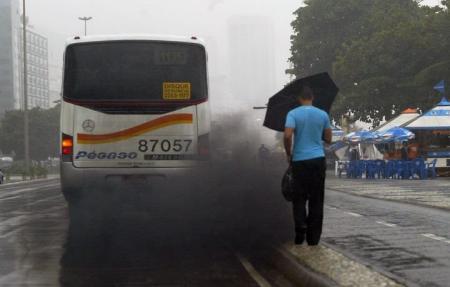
25	91
85	19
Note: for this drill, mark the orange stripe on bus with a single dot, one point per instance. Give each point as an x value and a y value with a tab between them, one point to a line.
156	124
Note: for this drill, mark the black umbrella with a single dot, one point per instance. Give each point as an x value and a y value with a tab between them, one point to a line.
325	91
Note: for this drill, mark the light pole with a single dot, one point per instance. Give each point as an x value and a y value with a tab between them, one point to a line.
85	19
25	92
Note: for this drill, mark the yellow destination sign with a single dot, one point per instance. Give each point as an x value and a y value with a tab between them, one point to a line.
176	91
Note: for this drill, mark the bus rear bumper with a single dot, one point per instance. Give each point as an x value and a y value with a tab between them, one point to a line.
73	178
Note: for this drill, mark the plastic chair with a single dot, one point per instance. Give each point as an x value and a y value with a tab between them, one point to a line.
370	169
418	168
349	169
343	166
379	170
389	169
431	168
402	169
361	168
374	168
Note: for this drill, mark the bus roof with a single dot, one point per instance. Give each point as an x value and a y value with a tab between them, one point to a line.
136	37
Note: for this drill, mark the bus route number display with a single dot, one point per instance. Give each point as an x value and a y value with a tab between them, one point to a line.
176	91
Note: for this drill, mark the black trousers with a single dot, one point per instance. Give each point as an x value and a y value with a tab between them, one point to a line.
309	188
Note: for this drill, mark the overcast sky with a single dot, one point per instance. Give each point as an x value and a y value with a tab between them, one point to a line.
58	19
183	17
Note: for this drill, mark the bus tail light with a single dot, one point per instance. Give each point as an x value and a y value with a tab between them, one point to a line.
66	147
203	147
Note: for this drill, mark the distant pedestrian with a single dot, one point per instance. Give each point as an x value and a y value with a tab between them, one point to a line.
308	127
404	151
2	177
354	153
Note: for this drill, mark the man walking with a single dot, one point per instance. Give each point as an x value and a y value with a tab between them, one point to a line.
308	127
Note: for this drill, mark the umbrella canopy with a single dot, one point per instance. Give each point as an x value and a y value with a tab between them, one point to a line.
340	149
397	135
325	91
337	134
436	119
405	117
362	137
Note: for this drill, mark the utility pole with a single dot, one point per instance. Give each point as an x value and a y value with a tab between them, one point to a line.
25	92
85	19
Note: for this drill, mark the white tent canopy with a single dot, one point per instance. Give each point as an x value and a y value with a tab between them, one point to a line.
405	117
436	119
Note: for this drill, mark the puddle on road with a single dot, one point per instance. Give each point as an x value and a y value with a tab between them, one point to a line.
380	253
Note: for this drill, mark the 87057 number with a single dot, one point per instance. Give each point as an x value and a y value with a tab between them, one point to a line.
156	145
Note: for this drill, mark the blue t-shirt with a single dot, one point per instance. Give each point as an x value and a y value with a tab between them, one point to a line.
309	123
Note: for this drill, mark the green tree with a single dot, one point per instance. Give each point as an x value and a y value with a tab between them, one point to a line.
387	59
321	28
44	133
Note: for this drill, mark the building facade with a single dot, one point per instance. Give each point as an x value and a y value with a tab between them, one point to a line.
37	69
11	62
9	81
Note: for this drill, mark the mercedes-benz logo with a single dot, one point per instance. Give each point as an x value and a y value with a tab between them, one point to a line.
88	126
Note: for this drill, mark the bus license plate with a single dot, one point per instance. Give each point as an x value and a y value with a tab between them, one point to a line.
166	146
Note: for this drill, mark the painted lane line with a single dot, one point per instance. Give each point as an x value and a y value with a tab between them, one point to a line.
262	282
29	189
331	207
435	237
386	223
21	190
353	214
32	182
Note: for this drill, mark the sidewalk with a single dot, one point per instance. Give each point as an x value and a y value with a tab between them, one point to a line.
430	193
338	268
19	178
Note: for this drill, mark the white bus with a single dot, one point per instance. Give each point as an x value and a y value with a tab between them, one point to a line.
132	106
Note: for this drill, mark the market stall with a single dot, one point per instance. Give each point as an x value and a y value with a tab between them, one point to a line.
405	117
432	131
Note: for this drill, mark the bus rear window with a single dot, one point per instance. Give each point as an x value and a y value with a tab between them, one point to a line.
135	71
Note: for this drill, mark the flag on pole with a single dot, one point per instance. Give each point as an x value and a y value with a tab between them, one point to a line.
440	87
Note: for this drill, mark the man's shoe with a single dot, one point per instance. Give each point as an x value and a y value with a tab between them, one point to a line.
299	239
312	238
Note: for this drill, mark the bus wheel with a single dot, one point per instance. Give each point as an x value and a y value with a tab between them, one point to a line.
72	196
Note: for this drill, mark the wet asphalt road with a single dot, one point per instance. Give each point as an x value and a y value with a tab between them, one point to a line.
177	238
140	238
411	243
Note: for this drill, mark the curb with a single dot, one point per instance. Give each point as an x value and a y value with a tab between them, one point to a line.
299	274
323	266
411	202
24	182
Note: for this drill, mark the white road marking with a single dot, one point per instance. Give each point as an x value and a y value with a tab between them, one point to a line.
15	191
252	271
386	223
29	182
353	214
12	192
435	237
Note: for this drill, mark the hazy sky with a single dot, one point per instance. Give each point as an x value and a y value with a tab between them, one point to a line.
58	19
150	16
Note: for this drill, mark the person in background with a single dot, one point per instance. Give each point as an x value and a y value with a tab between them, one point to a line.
2	177
404	151
354	152
308	127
